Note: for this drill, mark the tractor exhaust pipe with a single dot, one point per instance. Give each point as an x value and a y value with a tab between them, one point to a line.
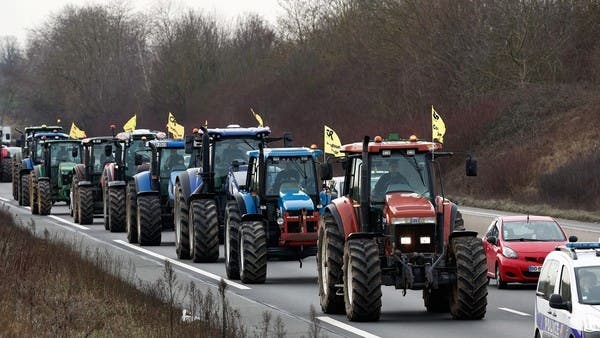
207	175
365	187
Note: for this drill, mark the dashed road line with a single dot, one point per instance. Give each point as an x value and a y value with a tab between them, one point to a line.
514	311
68	222
183	265
346	327
4	199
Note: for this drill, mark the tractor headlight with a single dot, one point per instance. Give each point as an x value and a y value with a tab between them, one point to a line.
509	253
280	221
425	240
405	240
412	220
591	323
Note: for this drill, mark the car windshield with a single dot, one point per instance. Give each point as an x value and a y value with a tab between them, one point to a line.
62	152
399	173
291	174
543	231
588	287
172	159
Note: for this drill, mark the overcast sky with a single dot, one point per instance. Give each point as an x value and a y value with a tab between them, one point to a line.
17	17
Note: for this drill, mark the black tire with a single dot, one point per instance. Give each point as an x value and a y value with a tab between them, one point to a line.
75	200
24	195
85	205
253	252
436	300
44	200
181	222
362	280
500	284
6	170
149	225
204	231
33	194
330	257
131	213
469	293
232	240
15	181
105	206
116	212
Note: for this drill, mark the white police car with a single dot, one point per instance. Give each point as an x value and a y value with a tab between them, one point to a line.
568	293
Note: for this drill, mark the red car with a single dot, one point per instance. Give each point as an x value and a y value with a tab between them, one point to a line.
516	246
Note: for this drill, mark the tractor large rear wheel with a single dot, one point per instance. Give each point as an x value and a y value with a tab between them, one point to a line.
44	200
330	259
131	213
204	228
24	191
75	200
116	212
182	228
105	206
15	180
253	252
232	240
362	280
33	194
469	293
148	220
6	169
85	205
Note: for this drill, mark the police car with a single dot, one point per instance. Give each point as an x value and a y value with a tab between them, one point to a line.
568	293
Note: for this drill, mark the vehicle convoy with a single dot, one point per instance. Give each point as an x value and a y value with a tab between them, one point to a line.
275	213
31	155
202	191
50	181
516	246
390	228
568	292
150	193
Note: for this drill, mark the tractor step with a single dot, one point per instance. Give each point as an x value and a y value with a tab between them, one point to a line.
340	289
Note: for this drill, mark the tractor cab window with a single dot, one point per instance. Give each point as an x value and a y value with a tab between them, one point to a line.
99	159
172	159
136	147
290	174
399	173
60	153
227	151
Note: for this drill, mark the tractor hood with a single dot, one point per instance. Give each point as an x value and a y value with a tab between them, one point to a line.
295	200
66	167
402	204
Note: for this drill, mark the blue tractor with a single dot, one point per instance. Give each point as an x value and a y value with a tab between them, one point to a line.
202	192
150	195
276	213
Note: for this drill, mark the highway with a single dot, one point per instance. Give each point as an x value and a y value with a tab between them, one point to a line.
290	290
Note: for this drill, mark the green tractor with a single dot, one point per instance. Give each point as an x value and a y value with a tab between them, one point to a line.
50	181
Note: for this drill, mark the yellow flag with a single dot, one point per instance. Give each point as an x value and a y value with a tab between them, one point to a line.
130	125
438	127
258	118
76	133
332	142
175	128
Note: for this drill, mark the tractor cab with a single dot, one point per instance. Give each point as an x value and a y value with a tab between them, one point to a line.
59	159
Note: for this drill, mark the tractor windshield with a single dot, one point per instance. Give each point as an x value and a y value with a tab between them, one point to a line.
99	157
61	152
399	173
227	151
291	174
172	159
139	147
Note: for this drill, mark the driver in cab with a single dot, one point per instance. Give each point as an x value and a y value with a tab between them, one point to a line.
393	176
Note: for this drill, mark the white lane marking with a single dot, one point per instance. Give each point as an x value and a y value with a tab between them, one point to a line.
68	222
4	199
580	229
183	265
28	208
514	311
346	327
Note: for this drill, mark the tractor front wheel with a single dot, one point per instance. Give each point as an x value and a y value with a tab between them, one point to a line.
116	213
33	194
330	257
131	213
232	240
6	169
182	228
362	280
44	200
75	200
204	231
148	220
469	292
85	205
24	192
253	252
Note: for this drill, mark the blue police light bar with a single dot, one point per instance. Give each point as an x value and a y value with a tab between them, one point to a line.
583	245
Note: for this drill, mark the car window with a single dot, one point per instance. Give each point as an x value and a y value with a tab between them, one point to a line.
547	279
565	284
588	286
532	231
493	229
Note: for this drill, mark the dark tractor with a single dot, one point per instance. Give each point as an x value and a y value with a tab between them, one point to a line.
203	192
118	173
50	181
391	228
31	155
276	212
150	193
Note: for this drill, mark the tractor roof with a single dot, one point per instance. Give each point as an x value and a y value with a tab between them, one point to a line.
49	135
43	127
139	134
375	147
172	143
234	131
99	139
52	141
287	152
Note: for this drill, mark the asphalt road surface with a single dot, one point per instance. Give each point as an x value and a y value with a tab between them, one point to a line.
290	290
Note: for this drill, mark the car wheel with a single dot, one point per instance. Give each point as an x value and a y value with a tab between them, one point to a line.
499	282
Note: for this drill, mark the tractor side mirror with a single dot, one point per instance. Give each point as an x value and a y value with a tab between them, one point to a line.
573	239
189	144
139	159
74	151
471	166
288	139
492	240
326	171
108	150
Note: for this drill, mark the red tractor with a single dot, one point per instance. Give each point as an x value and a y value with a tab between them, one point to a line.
391	228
